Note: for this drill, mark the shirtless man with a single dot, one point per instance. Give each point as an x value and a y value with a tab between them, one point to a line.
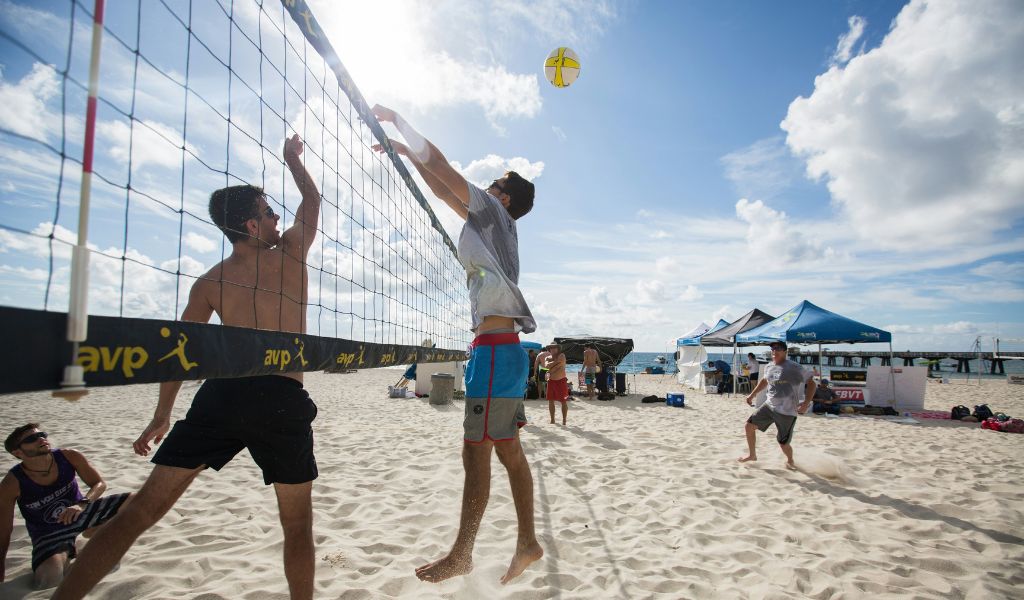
44	486
558	384
498	365
542	372
262	285
591	367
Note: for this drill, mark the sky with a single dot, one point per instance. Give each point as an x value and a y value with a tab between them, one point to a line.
712	157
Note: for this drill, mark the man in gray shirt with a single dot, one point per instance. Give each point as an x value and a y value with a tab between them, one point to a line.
498	366
785	381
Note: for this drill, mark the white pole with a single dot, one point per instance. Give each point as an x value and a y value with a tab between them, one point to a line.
73	385
892	376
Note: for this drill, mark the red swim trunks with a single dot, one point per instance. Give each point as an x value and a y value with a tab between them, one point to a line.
558	389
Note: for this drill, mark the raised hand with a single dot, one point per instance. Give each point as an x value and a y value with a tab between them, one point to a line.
156	430
293	147
399	147
384	114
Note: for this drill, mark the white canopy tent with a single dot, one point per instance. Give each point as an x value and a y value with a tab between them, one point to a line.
691	356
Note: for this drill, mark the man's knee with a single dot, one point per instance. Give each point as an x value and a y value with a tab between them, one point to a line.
50	571
510	454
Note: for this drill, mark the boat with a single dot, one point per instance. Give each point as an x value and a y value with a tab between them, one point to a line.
660	359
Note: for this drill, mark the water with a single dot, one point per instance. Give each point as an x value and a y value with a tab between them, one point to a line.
637	362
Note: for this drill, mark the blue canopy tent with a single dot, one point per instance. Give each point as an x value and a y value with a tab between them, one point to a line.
807	323
531	345
690	354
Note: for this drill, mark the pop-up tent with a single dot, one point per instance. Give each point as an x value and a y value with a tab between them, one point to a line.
726	336
610	351
807	323
531	345
691	356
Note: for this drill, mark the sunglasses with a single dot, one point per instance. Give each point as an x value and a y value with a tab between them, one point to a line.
497	186
267	212
28	439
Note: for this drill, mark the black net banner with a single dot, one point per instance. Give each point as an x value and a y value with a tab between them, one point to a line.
122	351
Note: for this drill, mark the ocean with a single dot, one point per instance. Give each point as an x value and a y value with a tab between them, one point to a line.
638	362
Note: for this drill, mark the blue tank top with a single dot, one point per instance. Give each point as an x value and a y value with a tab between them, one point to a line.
41	505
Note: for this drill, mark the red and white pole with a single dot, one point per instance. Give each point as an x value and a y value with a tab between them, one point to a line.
73	385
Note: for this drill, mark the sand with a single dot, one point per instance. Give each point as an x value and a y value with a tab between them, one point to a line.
633	501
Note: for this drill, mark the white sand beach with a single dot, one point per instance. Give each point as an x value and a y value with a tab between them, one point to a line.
633	501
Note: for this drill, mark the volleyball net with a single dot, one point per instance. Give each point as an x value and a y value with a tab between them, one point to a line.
193	97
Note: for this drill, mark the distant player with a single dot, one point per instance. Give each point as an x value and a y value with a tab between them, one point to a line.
785	381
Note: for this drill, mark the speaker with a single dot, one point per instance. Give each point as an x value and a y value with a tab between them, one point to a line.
620	384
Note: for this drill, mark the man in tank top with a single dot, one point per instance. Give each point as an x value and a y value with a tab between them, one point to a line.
498	366
45	489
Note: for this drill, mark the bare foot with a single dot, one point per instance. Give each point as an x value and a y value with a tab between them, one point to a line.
751	458
521	560
445	568
791	466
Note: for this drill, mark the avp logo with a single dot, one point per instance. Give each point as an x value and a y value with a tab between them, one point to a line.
178	351
281	358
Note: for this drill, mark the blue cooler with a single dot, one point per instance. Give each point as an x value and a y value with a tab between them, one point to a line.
677	400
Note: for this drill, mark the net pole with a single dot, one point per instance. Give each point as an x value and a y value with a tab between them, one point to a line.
73	384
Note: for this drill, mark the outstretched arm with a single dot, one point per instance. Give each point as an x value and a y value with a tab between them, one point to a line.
299	237
436	186
198	310
427	157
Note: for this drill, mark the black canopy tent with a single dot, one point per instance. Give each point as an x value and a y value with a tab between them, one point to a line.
611	351
726	336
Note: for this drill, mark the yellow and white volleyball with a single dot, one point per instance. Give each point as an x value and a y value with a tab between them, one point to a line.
562	67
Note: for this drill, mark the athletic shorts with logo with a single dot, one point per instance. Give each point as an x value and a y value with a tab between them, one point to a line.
495	382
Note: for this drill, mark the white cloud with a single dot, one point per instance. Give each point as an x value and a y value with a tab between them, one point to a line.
761	170
423	66
150	143
25	109
200	243
483	171
844	48
1000	270
921	140
771	234
559	133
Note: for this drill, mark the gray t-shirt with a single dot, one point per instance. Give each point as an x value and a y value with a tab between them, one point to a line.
489	251
785	386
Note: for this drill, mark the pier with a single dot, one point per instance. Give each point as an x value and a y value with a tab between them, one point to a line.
963	359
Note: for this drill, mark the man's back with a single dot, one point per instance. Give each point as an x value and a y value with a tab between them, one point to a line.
590	357
265	291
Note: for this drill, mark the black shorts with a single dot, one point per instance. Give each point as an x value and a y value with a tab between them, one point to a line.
783	423
270	415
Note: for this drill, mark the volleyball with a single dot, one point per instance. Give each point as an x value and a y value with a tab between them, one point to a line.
562	67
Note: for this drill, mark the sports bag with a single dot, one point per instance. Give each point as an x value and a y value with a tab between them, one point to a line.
960	411
982	412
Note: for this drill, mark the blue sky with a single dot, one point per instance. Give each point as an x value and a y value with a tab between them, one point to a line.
711	158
